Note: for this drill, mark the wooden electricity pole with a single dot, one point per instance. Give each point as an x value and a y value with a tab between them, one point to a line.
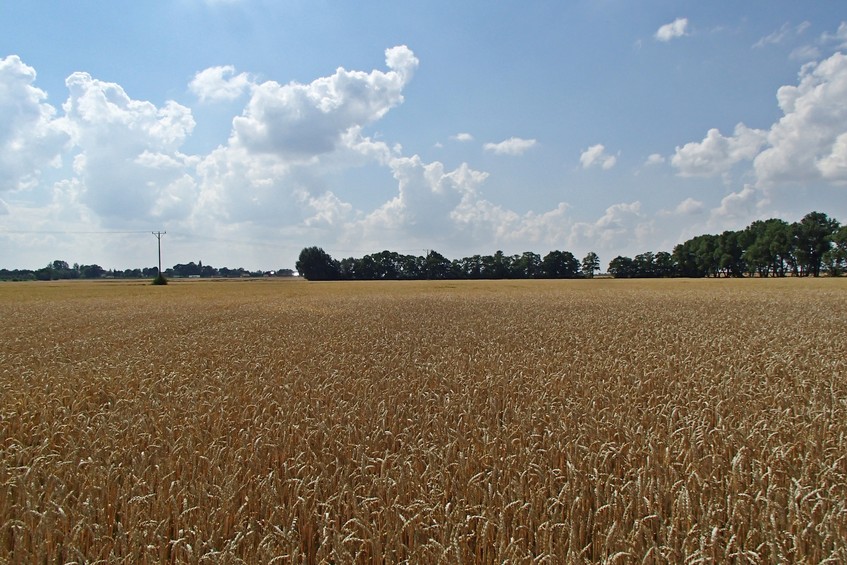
159	235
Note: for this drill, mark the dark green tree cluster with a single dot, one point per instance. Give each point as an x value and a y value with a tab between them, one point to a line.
60	270
199	270
814	245
315	264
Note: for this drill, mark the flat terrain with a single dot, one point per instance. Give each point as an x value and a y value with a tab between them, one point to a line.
429	422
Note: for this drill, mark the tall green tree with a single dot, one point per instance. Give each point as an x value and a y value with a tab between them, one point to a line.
347	268
769	248
470	267
387	265
836	258
730	253
315	264
500	266
526	265
92	271
560	265
622	267
706	252
590	264
812	240
438	266
664	265
685	259
645	265
412	266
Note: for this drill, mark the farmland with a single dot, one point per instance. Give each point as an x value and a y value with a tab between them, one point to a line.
657	421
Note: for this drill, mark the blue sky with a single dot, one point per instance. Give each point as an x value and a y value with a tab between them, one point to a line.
251	129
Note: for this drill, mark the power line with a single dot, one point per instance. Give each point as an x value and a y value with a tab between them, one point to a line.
179	235
67	232
198	237
251	242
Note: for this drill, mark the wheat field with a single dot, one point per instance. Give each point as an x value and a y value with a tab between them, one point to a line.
593	421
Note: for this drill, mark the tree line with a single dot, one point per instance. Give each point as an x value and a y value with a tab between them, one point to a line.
814	245
61	270
316	264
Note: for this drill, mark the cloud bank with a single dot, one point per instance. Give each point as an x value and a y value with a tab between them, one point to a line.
104	159
31	137
807	144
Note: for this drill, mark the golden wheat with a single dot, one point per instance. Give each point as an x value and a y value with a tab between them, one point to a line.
455	422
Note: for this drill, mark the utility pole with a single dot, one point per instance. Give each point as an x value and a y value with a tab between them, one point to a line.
159	235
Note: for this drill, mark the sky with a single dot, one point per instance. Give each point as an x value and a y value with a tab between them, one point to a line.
250	129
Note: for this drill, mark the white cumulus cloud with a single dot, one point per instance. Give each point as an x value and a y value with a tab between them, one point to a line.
219	84
290	138
687	207
237	186
427	195
31	137
596	156
329	210
807	142
654	159
834	166
511	146
622	226
717	153
445	208
737	208
676	28
304	120
128	163
275	177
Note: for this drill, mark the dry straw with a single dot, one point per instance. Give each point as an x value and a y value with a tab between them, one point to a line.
545	421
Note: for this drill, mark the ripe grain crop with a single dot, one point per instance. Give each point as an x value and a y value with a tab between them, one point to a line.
432	422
